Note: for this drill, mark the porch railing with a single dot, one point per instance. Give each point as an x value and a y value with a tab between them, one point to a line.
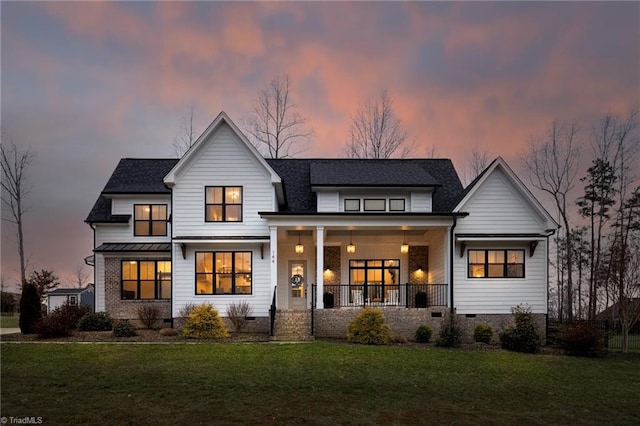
272	311
379	295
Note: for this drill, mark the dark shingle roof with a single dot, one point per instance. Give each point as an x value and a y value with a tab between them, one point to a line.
131	176
145	176
139	176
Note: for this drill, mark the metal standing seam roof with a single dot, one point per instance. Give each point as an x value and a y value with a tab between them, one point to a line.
123	247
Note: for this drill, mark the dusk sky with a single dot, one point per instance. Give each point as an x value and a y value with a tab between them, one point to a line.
85	84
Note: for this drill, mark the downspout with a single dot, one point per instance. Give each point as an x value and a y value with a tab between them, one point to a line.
451	257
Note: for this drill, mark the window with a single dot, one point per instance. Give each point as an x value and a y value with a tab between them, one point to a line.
73	300
146	279
150	220
223	272
496	264
374	205
375	278
396	205
351	205
223	204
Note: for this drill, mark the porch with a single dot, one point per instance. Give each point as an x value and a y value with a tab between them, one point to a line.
336	296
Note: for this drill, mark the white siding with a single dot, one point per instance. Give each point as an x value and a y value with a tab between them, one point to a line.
123	233
328	202
498	296
99	282
184	279
420	202
437	258
223	161
497	207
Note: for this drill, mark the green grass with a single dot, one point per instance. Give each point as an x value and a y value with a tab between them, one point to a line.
9	321
315	383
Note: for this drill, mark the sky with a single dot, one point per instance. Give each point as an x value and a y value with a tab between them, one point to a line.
84	84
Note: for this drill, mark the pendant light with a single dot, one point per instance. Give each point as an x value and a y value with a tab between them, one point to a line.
351	248
404	248
299	246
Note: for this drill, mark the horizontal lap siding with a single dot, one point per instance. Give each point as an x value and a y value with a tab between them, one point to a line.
328	202
224	162
420	202
498	296
99	278
184	280
437	257
123	233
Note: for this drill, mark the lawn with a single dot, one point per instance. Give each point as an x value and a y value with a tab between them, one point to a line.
9	321
313	383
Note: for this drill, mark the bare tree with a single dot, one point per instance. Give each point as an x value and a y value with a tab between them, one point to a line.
15	189
478	160
186	137
277	129
80	275
552	166
376	132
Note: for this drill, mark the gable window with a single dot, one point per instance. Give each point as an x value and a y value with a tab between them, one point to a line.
375	205
352	205
223	204
396	205
223	272
146	279
150	220
496	264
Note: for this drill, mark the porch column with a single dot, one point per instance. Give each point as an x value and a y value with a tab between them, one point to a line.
319	266
273	247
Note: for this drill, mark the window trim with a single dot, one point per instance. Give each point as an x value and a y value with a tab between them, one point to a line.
505	264
156	281
224	204
150	221
73	300
404	204
213	273
351	199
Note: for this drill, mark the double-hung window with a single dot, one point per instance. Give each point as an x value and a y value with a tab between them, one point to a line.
150	220
495	264
146	279
223	204
223	272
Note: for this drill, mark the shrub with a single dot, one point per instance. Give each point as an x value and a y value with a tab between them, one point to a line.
52	325
238	313
124	328
398	338
168	332
186	310
483	333
30	311
149	315
70	314
450	333
369	328
423	334
205	323
582	339
524	337
95	321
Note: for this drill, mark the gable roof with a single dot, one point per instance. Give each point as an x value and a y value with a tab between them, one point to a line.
515	180
369	172
69	291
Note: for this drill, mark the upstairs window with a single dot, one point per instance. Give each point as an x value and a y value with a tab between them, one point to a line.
396	205
223	204
352	205
496	264
375	204
150	220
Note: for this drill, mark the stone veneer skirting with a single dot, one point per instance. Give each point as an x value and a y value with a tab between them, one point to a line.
334	323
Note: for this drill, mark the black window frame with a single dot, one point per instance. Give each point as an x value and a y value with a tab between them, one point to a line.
214	273
369	288
224	204
404	204
157	281
505	264
150	221
73	300
351	199
384	207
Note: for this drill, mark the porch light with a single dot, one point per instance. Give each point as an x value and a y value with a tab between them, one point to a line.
351	248
404	248
299	246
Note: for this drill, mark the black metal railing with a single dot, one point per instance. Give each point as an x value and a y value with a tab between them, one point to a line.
382	295
272	311
313	306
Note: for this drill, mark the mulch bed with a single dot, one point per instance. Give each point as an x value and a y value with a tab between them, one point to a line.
151	336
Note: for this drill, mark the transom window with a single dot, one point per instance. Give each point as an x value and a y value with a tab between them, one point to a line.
223	272
374	204
150	220
396	205
352	205
146	279
223	204
496	264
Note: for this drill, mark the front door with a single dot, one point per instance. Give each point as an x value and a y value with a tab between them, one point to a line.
298	284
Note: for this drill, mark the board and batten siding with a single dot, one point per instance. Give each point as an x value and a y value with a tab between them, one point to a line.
497	207
499	295
224	161
184	279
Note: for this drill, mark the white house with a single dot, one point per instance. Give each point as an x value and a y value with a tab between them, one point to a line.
307	242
